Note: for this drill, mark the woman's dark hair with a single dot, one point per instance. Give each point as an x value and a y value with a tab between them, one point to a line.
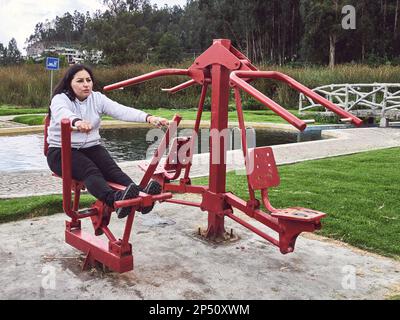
64	86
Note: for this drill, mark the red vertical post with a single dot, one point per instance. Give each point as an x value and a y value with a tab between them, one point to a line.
66	169
219	124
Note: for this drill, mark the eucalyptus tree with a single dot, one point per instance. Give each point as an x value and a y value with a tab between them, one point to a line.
323	29
11	54
3	52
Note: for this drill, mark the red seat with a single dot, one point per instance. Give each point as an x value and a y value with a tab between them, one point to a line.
298	214
263	174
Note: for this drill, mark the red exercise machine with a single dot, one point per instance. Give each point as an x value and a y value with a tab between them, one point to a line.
220	67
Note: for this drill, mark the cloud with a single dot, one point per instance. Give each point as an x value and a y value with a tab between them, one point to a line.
19	17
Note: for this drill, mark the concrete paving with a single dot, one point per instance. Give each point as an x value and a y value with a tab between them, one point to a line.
6	122
172	262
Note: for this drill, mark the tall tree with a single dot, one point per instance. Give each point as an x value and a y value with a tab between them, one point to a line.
169	49
3	53
268	31
323	25
121	37
12	54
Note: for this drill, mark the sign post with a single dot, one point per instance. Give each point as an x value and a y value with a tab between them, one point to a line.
52	64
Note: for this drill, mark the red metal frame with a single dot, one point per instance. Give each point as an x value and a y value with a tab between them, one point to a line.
117	253
237	81
221	67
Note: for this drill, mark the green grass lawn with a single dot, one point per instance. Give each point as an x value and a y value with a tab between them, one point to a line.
188	114
22	208
360	194
249	115
12	110
31	120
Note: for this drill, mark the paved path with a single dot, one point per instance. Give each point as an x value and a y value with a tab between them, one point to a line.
5	122
7	126
171	262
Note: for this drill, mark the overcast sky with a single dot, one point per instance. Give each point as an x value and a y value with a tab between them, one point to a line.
19	17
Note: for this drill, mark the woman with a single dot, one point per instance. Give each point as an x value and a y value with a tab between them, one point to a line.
74	99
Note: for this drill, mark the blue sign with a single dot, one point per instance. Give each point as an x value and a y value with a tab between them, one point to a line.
52	63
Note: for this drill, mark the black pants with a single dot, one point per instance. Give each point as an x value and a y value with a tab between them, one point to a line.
94	167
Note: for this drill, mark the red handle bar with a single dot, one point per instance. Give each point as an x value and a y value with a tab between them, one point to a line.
236	79
147	76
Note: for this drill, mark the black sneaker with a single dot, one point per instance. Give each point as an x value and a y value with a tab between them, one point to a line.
152	188
131	192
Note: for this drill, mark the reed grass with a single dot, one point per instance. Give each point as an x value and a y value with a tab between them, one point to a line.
29	85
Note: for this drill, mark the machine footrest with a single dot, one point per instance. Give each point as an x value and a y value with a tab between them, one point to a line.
298	214
99	251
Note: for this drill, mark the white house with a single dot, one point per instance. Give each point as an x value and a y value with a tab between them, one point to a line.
71	54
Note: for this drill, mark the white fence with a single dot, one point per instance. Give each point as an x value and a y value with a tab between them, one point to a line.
382	99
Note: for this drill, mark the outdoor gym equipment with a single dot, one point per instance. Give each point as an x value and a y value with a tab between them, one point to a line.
220	67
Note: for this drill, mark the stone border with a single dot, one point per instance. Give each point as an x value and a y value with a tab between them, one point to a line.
115	124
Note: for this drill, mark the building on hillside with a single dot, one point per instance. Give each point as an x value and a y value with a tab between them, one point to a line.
73	55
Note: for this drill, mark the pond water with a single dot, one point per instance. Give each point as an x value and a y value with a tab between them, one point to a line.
25	152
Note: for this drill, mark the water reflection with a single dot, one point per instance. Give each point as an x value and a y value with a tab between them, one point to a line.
132	144
22	153
26	152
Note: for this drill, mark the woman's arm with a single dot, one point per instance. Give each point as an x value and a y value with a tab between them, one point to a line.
61	108
123	113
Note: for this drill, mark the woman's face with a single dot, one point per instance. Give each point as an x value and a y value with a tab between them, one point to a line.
82	84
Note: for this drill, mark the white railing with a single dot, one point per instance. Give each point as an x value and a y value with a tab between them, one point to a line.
380	98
